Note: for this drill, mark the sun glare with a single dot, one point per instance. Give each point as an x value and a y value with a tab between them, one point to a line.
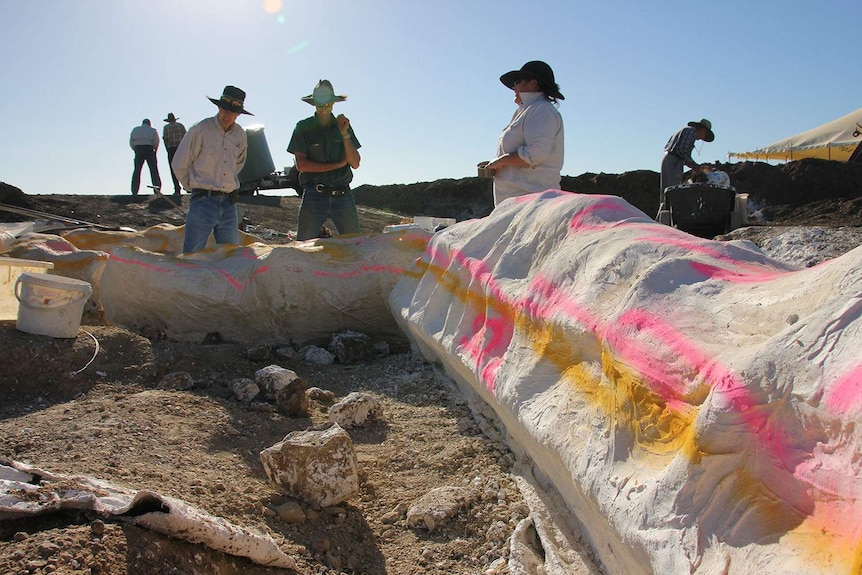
272	6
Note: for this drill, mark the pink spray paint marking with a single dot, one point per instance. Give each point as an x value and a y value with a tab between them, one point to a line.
240	286
733	276
741	399
654	369
846	394
581	223
497	330
188	265
555	300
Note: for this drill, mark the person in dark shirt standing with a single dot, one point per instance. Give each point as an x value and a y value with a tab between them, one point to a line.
326	152
677	155
172	134
144	140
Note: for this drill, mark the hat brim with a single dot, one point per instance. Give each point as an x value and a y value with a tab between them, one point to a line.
221	105
509	78
169	119
710	136
310	100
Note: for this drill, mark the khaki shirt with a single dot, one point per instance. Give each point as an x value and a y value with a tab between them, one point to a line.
210	158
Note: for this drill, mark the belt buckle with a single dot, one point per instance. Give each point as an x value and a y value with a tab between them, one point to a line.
320	188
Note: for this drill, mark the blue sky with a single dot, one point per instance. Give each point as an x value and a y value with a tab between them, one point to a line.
422	78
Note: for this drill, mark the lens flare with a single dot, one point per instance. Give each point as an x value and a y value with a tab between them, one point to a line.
301	46
272	6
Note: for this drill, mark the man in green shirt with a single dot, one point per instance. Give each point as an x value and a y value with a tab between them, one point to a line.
326	152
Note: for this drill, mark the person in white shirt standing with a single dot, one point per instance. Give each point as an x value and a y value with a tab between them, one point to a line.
207	163
530	149
145	141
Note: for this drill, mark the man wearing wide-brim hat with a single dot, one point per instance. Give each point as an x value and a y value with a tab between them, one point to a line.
207	163
172	135
677	155
326	152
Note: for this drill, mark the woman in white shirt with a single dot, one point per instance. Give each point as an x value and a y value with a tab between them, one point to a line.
530	149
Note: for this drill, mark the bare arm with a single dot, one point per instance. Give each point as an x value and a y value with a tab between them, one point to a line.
303	164
351	154
512	160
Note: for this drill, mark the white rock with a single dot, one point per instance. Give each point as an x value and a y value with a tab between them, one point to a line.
274	378
438	506
317	466
355	409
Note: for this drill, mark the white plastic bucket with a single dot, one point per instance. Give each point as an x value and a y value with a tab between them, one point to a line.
50	305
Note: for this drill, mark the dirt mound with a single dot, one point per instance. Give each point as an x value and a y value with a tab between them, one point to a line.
815	192
782	192
12	196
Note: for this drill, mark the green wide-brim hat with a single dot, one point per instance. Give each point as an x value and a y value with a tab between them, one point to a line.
706	125
323	94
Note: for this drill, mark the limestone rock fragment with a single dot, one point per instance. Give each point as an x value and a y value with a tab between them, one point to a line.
318	465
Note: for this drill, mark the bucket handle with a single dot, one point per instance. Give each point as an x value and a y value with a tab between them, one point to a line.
57	307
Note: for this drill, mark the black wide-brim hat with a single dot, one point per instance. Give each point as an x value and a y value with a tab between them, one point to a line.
534	70
232	100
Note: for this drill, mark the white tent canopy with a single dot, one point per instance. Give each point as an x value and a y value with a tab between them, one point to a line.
833	140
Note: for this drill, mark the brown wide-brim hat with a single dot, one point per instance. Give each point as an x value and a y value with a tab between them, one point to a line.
170	118
232	100
323	94
534	70
706	125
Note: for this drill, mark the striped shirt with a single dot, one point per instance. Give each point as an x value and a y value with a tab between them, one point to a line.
681	144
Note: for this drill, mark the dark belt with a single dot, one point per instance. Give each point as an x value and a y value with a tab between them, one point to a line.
328	190
202	193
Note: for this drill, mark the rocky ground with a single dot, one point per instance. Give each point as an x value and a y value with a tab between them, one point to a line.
99	405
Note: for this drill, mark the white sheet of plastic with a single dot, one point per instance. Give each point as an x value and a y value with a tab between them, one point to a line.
695	403
28	491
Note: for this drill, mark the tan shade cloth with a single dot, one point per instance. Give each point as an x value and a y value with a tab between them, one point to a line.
833	140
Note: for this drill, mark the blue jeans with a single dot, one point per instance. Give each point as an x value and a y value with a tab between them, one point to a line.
215	214
316	207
